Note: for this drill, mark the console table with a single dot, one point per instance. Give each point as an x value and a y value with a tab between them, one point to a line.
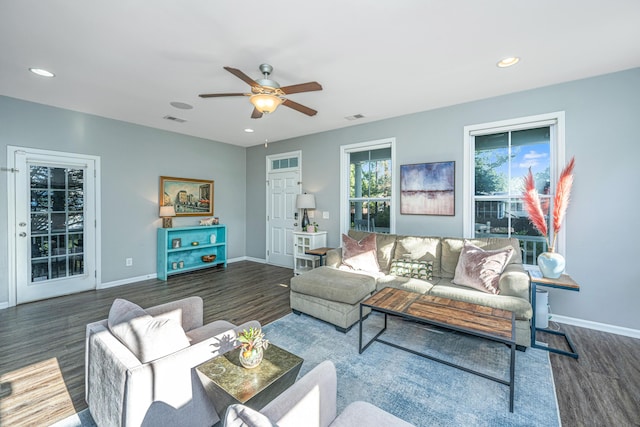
563	282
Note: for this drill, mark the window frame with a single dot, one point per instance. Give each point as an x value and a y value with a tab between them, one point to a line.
345	152
556	122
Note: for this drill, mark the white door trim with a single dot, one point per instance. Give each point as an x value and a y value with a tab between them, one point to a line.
11	212
269	162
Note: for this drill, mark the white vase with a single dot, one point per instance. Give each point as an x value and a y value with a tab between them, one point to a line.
551	264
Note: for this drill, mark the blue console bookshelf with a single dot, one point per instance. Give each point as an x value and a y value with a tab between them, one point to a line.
194	242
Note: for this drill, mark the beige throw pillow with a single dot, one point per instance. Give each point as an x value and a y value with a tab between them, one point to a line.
480	269
360	255
147	338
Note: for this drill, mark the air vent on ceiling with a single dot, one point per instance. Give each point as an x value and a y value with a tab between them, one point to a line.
174	119
355	117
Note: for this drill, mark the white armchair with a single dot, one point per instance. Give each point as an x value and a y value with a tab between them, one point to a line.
144	375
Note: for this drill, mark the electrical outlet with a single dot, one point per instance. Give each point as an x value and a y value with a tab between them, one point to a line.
128	262
325	215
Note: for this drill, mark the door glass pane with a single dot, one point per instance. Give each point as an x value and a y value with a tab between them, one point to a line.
57	222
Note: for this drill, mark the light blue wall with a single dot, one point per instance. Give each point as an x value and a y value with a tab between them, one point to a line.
601	132
132	160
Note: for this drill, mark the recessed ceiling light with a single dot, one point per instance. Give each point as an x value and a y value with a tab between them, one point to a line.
181	105
248	130
42	72
508	62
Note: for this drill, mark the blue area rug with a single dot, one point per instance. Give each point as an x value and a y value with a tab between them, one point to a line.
416	389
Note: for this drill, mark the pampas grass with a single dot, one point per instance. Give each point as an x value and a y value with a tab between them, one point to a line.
560	202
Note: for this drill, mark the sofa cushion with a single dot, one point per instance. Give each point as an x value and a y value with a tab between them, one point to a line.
406	283
360	255
242	416
420	248
406	267
334	285
521	307
147	338
480	269
451	248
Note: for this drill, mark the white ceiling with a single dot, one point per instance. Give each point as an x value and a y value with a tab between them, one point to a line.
128	59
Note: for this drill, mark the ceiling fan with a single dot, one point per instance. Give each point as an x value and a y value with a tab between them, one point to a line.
266	94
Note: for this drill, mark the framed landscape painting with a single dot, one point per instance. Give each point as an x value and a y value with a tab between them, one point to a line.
189	197
428	188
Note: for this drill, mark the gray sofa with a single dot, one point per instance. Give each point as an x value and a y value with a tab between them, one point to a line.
333	295
144	373
311	401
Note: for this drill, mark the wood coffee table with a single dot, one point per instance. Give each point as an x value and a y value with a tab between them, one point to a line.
227	382
472	319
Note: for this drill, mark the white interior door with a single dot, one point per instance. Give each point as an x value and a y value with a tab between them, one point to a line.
55	224
283	188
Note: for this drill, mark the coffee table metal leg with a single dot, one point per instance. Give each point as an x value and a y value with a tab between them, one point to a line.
512	379
375	338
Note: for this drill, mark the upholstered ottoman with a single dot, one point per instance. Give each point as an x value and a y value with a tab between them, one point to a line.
331	295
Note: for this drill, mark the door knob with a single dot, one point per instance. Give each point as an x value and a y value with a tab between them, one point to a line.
23	234
295	224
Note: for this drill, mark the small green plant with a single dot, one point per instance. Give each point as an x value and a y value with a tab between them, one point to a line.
252	339
313	224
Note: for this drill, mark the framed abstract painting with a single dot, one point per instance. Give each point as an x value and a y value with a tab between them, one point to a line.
428	188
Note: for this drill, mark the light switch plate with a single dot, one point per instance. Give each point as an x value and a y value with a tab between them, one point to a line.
325	214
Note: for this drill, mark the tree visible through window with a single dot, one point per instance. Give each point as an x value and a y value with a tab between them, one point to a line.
370	190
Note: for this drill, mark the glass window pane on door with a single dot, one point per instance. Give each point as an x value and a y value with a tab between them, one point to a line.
57	222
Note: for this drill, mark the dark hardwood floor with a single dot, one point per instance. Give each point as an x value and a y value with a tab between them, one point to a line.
42	346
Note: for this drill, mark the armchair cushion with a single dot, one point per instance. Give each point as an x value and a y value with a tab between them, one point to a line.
148	338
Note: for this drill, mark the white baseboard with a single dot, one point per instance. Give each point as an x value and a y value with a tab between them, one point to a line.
126	281
249	258
618	330
4	305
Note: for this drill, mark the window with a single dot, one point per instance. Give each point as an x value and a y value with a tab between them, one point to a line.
498	157
367	183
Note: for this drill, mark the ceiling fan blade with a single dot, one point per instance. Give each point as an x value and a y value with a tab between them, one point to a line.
302	87
256	114
299	107
242	76
217	95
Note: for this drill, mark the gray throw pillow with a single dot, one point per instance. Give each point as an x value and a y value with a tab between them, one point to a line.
480	269
242	416
146	337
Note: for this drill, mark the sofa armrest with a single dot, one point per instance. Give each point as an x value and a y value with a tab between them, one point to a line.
188	312
309	401
514	281
334	258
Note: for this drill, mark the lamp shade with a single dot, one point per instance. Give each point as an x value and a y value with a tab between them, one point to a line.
167	211
306	201
265	103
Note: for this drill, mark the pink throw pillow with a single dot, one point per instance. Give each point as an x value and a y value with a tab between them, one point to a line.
360	255
480	269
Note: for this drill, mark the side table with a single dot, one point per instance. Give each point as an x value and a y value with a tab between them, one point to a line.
227	382
321	252
563	282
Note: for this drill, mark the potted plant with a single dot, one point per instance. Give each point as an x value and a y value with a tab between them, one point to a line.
551	264
312	228
252	346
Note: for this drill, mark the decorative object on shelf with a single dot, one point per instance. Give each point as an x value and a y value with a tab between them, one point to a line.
194	243
166	213
181	264
212	239
189	197
176	243
208	258
216	220
207	221
174	265
305	201
551	264
312	228
428	188
252	347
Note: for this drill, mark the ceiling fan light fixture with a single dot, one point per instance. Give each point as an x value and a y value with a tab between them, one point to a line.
508	62
265	103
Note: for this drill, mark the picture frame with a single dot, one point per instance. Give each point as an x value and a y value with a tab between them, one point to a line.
189	197
176	243
428	188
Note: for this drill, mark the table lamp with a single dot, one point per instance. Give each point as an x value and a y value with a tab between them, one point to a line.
305	201
166	213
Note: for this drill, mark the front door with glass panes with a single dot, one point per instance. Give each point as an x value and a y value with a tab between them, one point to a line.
55	225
